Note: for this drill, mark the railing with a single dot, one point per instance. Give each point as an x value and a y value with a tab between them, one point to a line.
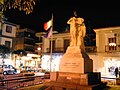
109	48
56	50
89	49
109	80
16	82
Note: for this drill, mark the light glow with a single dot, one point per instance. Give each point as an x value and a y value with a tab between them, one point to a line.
45	64
112	44
39	48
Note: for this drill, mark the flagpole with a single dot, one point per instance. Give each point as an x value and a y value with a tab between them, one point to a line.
51	39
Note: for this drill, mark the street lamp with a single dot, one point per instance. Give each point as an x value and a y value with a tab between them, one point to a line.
39	50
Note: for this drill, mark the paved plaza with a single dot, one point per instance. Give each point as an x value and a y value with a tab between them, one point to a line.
112	87
37	87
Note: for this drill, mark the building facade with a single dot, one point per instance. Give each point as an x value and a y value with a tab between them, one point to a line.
108	50
7	37
25	40
15	38
8	34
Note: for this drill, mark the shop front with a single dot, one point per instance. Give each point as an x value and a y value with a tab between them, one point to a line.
110	64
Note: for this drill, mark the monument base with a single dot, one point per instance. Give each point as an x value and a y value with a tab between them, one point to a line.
77	78
75	81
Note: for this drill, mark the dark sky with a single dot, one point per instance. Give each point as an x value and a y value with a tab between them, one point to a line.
95	16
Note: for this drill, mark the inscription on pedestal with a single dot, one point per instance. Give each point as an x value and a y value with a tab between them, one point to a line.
71	64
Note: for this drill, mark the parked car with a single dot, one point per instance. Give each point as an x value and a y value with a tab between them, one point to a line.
30	69
26	68
7	69
37	69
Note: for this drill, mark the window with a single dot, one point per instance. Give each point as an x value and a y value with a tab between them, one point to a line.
53	45
112	40
7	44
112	43
8	29
66	44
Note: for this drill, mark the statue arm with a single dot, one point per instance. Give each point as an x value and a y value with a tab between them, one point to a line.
84	30
80	20
71	19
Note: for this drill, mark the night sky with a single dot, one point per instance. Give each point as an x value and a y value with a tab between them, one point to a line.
95	16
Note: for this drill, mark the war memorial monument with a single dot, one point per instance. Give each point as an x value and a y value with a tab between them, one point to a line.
75	68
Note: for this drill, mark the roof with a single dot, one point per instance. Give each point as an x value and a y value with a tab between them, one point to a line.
107	28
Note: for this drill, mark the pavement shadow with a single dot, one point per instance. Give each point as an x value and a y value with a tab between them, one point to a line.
107	88
43	87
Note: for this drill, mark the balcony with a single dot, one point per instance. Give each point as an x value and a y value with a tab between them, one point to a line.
89	49
29	48
114	48
56	50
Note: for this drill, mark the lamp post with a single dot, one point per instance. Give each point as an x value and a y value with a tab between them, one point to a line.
39	53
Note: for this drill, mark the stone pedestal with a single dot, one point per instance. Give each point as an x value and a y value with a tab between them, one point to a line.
75	61
74	81
76	78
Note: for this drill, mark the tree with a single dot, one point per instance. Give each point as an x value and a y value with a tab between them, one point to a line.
4	52
22	5
20	52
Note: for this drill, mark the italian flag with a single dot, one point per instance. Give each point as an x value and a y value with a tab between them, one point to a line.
49	33
47	25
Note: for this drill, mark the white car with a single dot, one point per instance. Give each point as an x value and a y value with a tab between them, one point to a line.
7	69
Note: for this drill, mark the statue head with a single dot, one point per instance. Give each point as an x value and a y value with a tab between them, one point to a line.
75	13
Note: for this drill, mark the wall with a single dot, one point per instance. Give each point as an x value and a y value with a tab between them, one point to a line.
13	34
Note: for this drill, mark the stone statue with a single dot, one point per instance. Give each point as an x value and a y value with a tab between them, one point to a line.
77	31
